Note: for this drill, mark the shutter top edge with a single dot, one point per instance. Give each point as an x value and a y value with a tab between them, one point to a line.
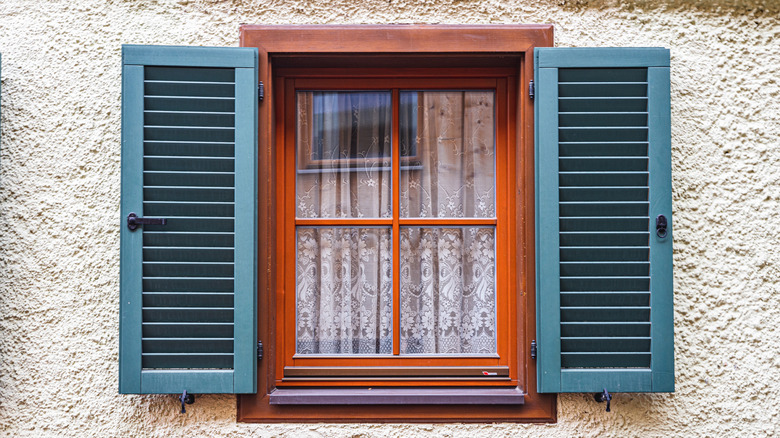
189	56
596	57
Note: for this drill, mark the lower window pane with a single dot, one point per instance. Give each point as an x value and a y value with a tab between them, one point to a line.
344	291
448	290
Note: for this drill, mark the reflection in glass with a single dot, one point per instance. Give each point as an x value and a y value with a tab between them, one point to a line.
343	154
344	291
452	134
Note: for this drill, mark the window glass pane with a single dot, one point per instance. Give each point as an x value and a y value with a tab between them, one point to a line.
344	291
448	290
448	164
343	154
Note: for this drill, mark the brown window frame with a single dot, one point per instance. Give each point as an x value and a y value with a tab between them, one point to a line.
290	49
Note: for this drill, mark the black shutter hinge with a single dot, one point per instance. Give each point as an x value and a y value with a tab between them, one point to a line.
531	89
259	351
533	349
260	91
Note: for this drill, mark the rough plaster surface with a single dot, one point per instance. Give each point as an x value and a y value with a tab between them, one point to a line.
59	209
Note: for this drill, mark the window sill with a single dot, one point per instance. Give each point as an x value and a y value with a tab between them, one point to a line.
396	396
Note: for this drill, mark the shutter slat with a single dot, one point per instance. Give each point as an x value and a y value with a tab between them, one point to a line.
596	205
602	163
611	298
189	164
594	344
193	179
605	329
190	133
604	238
187	330
185	209
188	299
188	345
603	149
178	254
188	314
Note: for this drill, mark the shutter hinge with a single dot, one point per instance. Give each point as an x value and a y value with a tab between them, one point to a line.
260	91
533	349
259	350
531	89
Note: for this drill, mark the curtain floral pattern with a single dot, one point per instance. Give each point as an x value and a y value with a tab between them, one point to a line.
447	286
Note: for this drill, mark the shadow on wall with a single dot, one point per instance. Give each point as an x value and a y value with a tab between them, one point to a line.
721	6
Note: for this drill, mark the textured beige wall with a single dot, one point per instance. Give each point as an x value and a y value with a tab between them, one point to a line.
59	202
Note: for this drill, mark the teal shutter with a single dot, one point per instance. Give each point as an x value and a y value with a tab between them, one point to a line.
603	176
188	288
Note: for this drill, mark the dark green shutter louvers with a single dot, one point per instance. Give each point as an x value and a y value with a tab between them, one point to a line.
188	287
604	276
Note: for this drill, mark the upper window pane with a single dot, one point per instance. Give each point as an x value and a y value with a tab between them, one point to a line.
343	154
449	169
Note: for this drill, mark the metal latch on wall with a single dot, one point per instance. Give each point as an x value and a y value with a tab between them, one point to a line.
603	397
186	398
260	91
531	89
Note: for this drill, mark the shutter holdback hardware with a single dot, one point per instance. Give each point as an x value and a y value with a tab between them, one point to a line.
603	397
186	398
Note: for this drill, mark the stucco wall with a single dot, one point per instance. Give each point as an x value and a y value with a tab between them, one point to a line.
59	209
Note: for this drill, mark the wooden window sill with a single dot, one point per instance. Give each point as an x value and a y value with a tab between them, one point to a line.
396	396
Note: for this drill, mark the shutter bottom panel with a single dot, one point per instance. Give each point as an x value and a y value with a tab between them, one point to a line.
186	360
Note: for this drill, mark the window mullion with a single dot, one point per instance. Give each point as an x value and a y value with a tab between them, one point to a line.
396	233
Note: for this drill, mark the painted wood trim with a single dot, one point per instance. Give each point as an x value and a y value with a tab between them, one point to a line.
397	396
194	381
596	380
245	286
279	40
548	317
130	271
661	279
595	57
398	38
187	56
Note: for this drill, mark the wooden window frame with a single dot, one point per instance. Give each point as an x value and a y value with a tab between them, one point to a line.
410	46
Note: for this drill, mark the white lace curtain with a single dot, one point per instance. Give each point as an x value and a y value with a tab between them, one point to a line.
344	290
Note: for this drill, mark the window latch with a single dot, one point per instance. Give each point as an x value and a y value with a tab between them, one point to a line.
603	397
186	398
531	89
259	350
533	349
133	221
260	91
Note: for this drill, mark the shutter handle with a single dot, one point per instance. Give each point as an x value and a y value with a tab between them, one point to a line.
603	397
133	221
660	226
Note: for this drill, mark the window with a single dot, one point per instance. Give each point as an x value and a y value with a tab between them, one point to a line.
330	192
394	223
395	255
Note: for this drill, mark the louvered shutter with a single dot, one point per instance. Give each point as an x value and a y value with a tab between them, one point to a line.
188	287
603	169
